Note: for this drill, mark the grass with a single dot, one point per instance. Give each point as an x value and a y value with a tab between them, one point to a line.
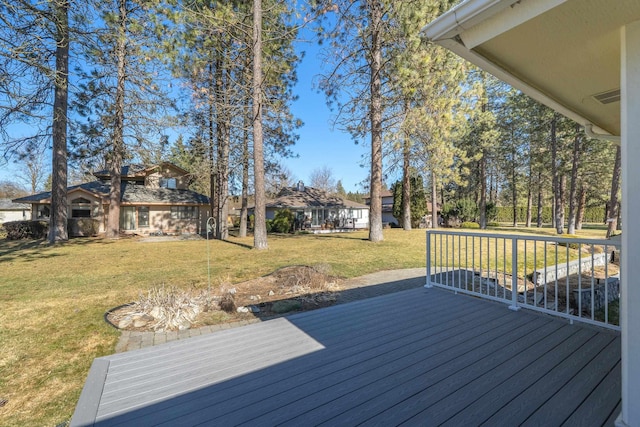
53	298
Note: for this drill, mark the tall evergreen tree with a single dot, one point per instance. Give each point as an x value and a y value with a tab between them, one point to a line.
356	60
122	104
34	88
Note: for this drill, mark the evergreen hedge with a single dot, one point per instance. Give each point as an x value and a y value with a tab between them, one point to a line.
17	230
505	214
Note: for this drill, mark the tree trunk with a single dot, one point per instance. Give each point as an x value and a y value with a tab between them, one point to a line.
582	202
613	199
540	210
406	186
559	225
117	154
375	212
260	225
514	188
244	211
560	203
491	177
483	191
529	195
434	201
222	81
571	226
211	139
58	220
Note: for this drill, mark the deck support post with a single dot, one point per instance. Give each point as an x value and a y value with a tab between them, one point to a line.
630	267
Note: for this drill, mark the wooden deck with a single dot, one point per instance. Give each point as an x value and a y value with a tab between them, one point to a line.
417	357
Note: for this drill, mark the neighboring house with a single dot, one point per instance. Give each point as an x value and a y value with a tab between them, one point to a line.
387	207
10	211
317	209
155	199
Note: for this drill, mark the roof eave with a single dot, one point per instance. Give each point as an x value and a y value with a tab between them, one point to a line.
465	15
448	31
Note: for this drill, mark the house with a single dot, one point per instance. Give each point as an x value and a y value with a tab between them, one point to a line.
10	211
581	58
154	199
317	209
387	207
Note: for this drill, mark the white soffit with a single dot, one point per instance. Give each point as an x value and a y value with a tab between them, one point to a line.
560	52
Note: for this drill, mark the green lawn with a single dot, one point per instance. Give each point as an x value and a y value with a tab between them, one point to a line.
52	299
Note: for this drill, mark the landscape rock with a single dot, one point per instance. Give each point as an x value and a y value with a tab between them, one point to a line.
271	293
184	325
155	312
125	323
243	310
139	323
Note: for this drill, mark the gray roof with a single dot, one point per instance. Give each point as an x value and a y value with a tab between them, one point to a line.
131	193
309	197
136	170
9	205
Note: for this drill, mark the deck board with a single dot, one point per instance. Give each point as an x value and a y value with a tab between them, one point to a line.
313	367
422	356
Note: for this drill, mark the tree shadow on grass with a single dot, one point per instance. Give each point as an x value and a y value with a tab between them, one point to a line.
30	250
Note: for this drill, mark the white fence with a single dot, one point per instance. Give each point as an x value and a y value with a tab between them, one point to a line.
573	278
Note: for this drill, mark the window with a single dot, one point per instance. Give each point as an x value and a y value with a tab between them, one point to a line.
184	212
80	208
143	216
168	183
128	218
43	211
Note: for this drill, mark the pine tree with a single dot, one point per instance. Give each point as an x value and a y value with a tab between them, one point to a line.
34	58
122	105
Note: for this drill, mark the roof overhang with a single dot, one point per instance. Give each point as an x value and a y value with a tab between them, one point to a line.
563	53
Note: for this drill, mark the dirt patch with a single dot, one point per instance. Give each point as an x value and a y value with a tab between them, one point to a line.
289	289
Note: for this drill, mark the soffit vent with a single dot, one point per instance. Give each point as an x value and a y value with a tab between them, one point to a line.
608	97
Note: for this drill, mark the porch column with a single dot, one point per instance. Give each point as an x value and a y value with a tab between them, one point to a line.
630	271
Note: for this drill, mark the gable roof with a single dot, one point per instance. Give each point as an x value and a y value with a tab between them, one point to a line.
138	171
309	197
131	194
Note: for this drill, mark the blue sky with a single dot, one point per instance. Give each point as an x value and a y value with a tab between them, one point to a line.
318	146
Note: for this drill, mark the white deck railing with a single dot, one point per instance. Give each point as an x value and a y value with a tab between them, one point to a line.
568	277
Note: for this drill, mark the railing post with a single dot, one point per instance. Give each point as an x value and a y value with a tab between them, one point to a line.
514	275
428	281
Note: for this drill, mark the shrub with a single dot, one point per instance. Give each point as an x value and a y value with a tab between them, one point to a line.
17	230
285	306
283	221
469	224
463	210
491	211
83	227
